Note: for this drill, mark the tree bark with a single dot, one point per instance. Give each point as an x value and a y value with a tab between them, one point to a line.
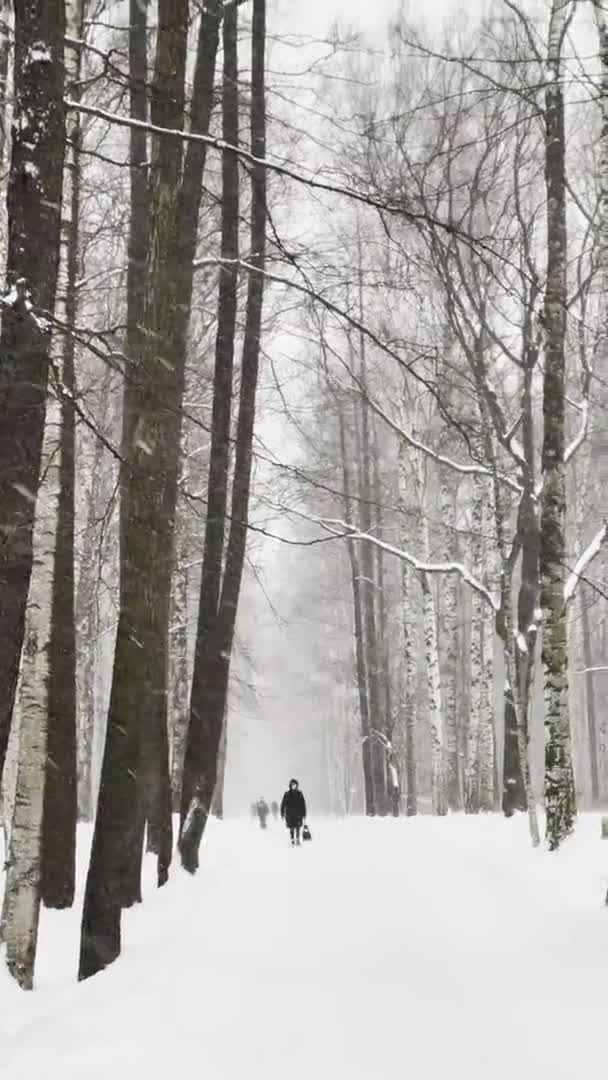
60	792
34	212
368	589
438	771
472	773
5	52
355	576
596	681
449	621
24	874
488	789
592	727
213	651
217	806
135	770
409	659
560	801
179	678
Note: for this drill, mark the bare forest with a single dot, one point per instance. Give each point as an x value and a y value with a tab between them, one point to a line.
303	430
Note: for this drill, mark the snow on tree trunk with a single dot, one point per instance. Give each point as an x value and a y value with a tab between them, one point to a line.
472	778
560	801
23	877
34	214
449	640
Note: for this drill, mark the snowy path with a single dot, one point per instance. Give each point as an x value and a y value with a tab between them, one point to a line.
436	948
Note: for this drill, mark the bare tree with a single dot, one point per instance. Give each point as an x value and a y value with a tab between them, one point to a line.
34	201
215	640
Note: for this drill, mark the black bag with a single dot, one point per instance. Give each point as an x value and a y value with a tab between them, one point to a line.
306	835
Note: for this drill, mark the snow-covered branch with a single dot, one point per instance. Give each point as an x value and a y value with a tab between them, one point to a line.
341	529
584	561
416	444
581	434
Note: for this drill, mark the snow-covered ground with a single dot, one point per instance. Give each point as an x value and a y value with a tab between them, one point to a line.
425	948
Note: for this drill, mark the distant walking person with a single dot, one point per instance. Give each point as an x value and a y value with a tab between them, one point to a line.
293	810
261	809
274	809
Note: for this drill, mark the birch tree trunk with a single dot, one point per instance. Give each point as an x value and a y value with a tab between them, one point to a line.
179	677
60	794
23	877
449	641
488	791
592	725
472	773
560	801
410	717
409	658
98	503
438	770
34	213
596	682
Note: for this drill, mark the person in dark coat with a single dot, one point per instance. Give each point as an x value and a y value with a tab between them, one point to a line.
262	811
293	810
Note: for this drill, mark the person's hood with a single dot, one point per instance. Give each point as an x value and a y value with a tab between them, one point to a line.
292	782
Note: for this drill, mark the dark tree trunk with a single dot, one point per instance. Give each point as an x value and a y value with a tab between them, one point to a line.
592	729
370	618
135	750
528	538
139	224
367	583
5	51
164	375
560	800
355	574
34	217
173	297
212	656
58	864
513	790
200	760
217	807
